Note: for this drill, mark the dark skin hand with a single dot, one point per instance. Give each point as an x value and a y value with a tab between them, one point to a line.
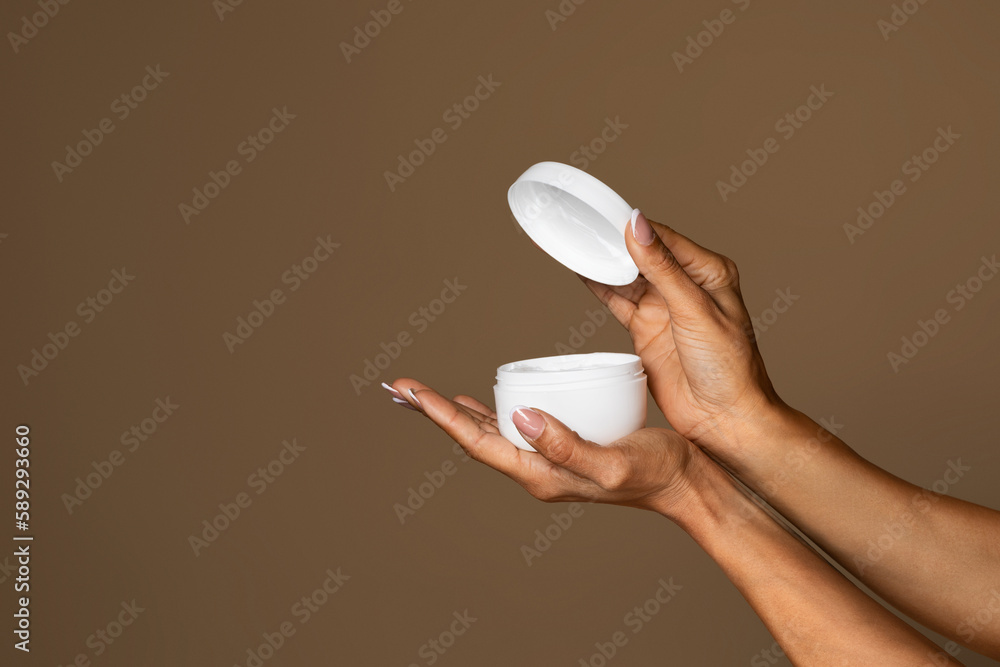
818	616
689	325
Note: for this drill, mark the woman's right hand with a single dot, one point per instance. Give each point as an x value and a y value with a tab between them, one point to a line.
689	326
694	335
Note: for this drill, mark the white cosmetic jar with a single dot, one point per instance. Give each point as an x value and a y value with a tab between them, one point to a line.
601	396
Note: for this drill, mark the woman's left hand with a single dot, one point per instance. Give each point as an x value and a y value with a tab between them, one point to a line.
649	469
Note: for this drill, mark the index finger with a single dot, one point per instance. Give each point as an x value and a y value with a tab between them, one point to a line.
708	269
486	446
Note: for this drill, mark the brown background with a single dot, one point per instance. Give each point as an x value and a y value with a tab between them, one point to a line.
323	175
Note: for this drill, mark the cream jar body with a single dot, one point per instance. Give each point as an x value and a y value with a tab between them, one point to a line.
601	396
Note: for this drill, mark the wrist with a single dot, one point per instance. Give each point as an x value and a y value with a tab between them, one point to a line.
702	495
780	448
748	437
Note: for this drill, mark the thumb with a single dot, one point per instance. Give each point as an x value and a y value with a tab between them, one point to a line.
565	448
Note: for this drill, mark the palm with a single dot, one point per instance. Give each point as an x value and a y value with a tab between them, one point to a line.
653	458
684	366
659	448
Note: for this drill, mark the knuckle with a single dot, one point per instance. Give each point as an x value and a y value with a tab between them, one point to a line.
559	450
724	272
453	421
730	271
615	476
546	494
472	446
665	263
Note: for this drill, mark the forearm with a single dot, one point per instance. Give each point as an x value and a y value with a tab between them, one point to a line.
934	557
817	616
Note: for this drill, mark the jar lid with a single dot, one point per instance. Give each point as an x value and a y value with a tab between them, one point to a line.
576	219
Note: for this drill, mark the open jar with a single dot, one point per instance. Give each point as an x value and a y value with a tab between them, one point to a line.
580	222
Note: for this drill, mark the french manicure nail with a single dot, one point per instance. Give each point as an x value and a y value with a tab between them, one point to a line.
414	396
403	402
642	231
392	391
527	421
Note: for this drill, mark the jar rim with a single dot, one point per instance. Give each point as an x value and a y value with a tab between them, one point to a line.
569	368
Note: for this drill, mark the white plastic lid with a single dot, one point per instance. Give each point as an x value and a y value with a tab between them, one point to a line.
576	219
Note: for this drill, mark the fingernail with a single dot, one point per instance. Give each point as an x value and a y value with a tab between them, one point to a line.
404	403
392	391
527	421
642	231
414	397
